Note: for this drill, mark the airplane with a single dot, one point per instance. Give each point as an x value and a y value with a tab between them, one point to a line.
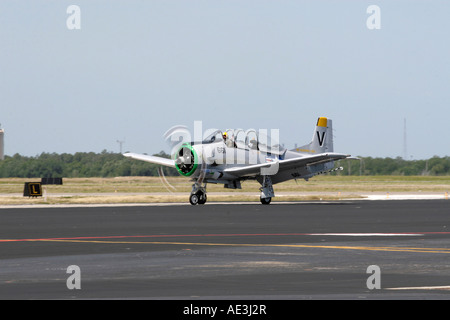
233	156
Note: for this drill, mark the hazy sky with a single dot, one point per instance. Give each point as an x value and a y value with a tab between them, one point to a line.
137	68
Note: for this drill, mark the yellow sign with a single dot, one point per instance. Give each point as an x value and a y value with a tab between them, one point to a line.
32	189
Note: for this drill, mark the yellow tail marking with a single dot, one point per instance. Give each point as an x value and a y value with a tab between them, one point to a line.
322	122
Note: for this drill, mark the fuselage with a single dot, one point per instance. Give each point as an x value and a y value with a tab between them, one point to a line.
211	160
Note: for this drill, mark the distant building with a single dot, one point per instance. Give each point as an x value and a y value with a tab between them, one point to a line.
2	144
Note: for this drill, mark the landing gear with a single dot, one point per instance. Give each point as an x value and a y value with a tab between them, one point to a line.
193	199
202	199
266	190
198	194
265	200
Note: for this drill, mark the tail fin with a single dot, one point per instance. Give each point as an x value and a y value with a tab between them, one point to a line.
322	140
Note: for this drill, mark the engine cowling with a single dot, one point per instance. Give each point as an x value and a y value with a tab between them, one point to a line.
186	160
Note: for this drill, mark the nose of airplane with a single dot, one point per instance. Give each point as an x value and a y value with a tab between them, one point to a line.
186	160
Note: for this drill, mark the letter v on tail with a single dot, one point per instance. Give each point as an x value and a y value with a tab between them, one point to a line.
321	139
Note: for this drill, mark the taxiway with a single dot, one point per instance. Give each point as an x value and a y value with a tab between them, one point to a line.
228	251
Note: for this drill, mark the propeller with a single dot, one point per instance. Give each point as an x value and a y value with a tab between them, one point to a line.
185	160
174	137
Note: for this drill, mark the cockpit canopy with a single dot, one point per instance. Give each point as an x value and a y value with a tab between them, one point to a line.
249	140
216	136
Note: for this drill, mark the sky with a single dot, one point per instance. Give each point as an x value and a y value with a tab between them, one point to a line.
133	69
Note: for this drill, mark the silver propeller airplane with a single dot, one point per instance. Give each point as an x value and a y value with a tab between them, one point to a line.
234	156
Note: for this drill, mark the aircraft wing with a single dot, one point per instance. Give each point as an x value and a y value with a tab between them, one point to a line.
152	159
286	164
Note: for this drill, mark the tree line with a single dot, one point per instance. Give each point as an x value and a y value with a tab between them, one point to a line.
78	165
368	166
108	164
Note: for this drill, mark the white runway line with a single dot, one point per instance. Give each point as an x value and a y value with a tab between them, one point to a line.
421	288
366	197
404	197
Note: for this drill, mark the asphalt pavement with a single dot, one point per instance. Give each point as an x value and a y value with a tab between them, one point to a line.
284	251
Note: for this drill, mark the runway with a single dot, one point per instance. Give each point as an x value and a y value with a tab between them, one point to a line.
248	251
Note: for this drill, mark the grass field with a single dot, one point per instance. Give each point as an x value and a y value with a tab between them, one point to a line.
177	189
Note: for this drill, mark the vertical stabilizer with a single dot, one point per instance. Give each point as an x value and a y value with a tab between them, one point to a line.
322	140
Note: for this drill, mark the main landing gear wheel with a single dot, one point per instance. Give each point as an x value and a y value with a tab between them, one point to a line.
266	190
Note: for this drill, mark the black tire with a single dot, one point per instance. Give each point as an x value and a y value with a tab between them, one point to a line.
194	199
202	198
265	200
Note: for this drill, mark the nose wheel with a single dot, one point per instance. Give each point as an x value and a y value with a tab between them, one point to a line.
198	194
198	198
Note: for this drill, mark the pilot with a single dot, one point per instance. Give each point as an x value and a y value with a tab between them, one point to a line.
228	141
